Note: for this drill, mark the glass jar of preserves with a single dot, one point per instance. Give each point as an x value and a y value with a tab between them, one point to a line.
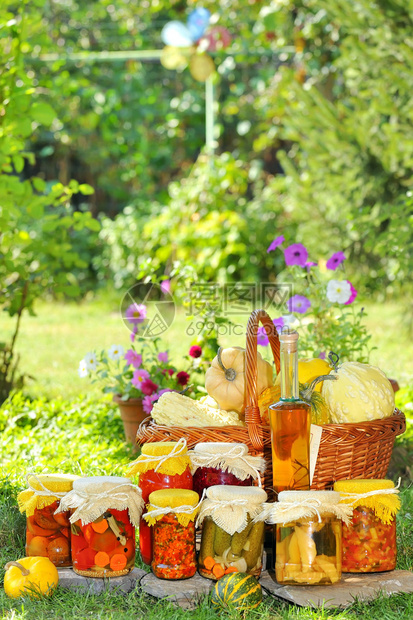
172	513
224	463
307	537
369	540
47	533
161	465
232	531
104	513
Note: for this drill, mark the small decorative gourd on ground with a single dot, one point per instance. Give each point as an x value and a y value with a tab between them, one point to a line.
237	590
362	392
34	577
225	379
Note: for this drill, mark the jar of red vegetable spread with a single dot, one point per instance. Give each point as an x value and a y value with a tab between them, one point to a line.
224	463
161	465
104	513
232	531
172	513
308	536
369	540
47	534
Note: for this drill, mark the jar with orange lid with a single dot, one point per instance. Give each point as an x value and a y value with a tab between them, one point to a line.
369	540
47	534
233	527
161	465
104	513
172	513
307	536
224	463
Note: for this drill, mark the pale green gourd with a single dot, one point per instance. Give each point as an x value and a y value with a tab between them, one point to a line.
361	393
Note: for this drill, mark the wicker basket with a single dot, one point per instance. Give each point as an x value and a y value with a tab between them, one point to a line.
346	450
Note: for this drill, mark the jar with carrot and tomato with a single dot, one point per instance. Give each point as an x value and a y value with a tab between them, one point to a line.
47	534
369	540
224	464
104	513
172	513
161	465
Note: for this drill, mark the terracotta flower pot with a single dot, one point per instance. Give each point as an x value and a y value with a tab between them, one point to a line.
132	414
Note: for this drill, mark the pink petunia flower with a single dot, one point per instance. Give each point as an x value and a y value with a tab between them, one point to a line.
335	261
135	313
279	323
298	303
352	296
133	358
166	286
148	387
322	355
148	401
182	377
139	376
159	394
274	244
195	351
296	254
163	357
262	338
309	264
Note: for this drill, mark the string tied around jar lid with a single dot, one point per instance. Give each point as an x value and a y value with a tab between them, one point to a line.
297	505
235	460
176	460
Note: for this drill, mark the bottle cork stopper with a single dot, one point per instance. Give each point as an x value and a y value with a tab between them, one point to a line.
289	338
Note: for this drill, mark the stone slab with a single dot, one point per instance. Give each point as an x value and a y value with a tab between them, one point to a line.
185	593
364	587
72	581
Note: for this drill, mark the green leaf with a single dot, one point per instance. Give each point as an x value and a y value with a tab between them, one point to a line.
86	189
43	113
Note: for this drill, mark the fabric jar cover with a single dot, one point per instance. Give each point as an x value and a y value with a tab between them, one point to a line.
297	505
232	458
44	490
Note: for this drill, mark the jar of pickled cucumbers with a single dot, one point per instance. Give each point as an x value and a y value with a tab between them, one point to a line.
369	540
47	533
161	465
104	513
232	531
172	513
224	463
307	536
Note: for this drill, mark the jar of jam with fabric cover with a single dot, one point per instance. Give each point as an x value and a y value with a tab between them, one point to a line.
369	540
222	464
161	465
172	513
307	537
104	513
232	531
47	534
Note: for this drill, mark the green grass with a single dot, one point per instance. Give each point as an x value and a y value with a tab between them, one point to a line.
69	427
52	343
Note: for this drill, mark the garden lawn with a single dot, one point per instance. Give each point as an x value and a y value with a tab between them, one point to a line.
69	427
52	343
86	436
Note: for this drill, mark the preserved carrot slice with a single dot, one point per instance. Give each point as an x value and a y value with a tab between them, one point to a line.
100	526
118	561
231	569
218	571
209	562
102	559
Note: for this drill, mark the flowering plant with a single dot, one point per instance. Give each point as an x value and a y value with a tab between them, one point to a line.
322	306
142	371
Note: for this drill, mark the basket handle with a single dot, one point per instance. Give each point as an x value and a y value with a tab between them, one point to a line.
252	411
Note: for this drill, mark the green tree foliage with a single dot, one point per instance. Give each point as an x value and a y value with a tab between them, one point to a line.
36	219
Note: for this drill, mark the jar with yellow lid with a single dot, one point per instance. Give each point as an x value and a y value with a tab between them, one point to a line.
307	536
369	540
47	533
104	513
224	463
161	465
232	531
172	513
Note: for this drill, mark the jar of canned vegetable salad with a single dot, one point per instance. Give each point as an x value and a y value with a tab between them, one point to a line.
369	540
104	513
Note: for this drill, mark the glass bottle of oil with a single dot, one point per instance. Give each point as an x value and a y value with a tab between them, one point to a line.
290	421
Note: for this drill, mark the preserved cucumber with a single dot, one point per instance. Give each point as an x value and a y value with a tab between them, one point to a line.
240	538
222	541
256	540
207	546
